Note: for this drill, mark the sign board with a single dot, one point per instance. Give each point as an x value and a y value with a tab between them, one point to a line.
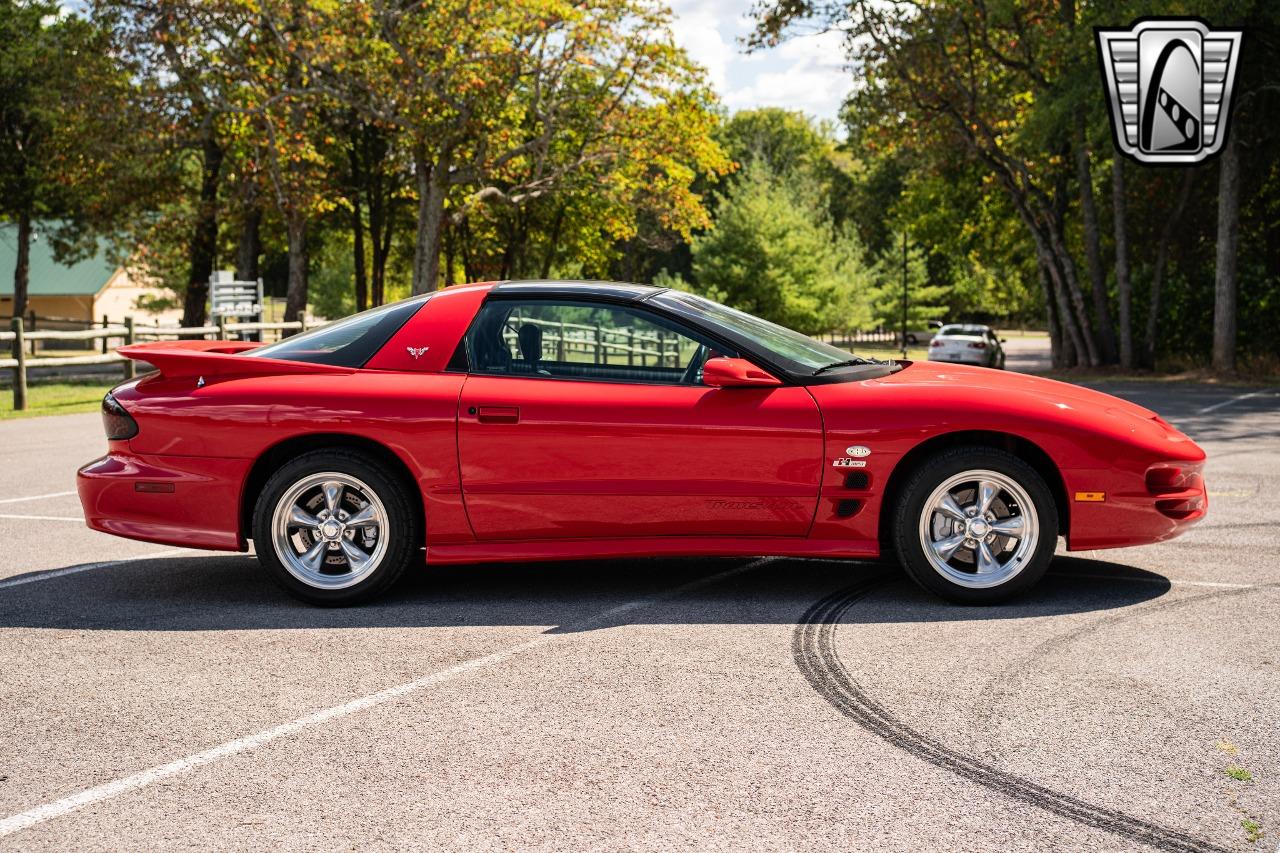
230	298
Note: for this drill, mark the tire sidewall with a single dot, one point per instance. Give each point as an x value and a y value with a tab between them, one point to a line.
402	524
931	473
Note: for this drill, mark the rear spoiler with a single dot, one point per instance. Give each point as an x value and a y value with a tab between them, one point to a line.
207	359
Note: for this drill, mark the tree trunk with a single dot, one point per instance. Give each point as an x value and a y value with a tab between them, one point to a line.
553	239
1225	284
380	254
22	265
296	297
1162	261
449	253
249	246
204	238
1093	249
1074	351
1086	346
357	248
1124	288
1056	350
431	182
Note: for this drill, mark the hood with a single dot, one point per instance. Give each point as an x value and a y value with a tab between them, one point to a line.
1061	394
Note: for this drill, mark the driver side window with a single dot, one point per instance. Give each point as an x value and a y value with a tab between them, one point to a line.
585	341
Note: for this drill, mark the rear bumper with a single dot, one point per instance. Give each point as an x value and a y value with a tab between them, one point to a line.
201	511
979	358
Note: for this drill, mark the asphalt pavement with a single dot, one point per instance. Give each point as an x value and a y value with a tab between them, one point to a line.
157	698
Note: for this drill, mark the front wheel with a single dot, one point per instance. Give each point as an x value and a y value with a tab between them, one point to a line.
335	527
976	525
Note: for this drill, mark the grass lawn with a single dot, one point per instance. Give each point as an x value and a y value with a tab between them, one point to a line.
891	351
57	398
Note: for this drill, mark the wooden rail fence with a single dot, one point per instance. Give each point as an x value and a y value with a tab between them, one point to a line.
127	333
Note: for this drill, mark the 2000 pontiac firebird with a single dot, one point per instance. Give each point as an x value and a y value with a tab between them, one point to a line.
551	420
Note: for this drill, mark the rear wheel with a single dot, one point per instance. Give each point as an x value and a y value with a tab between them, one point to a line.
976	525
335	527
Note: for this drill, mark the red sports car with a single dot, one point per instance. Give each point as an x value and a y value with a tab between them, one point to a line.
553	420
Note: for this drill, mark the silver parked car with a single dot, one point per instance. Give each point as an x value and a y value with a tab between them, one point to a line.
967	344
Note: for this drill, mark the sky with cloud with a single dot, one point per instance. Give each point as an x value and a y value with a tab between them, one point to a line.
806	73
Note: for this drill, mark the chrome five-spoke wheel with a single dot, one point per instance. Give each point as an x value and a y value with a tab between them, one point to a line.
329	530
979	529
975	524
337	526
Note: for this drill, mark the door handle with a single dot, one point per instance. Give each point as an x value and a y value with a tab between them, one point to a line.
498	415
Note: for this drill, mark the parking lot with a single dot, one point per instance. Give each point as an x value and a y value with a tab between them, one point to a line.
156	697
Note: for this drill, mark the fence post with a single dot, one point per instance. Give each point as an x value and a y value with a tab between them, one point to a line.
19	372
130	366
106	344
222	328
302	318
599	344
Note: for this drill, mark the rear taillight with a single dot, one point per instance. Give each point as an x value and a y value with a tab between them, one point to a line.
977	345
935	344
118	423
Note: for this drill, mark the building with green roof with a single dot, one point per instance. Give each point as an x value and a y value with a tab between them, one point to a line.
82	292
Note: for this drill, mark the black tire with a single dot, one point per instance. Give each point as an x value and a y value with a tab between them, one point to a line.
934	471
403	528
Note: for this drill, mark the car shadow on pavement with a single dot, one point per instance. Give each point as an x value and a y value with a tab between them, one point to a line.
220	593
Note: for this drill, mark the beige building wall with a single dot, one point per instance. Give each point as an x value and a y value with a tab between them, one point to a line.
119	298
62	307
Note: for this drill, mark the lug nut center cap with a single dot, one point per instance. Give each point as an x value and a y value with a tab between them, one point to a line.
978	528
331	530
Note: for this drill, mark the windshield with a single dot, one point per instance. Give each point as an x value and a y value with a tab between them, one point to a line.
347	343
782	342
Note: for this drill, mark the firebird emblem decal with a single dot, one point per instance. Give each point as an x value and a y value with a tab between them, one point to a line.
417	352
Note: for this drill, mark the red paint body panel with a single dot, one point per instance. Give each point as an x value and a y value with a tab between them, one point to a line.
205	497
439	326
598	459
547	468
1097	442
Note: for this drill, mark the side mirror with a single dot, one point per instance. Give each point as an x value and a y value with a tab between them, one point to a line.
721	372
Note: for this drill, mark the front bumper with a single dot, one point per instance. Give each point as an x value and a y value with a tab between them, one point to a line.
202	509
1133	514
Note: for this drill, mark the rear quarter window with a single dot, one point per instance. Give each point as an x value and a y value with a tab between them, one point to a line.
347	343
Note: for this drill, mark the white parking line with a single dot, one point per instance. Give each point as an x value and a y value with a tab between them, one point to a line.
87	567
42	517
1220	405
36	497
107	790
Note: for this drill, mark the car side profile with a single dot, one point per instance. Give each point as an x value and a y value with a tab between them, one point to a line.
967	344
525	421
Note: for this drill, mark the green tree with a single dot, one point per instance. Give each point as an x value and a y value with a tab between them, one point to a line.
925	301
48	64
773	252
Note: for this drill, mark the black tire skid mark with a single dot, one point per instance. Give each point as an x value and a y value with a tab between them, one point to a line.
813	649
